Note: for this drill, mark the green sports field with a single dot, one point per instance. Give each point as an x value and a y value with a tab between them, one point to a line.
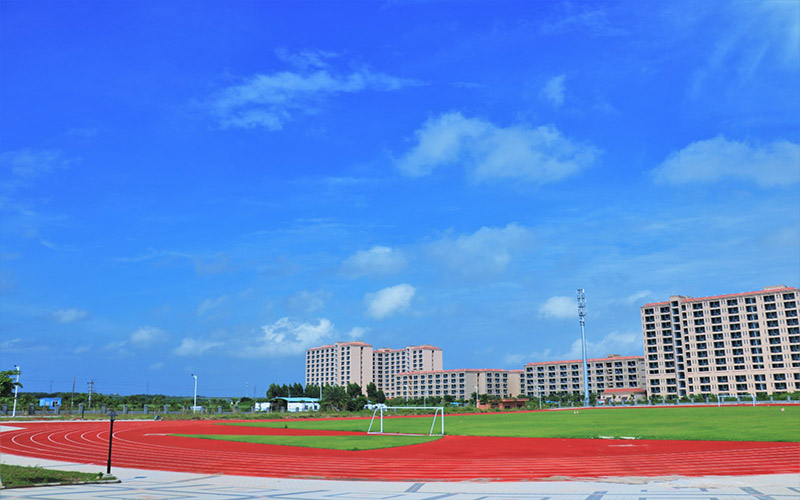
766	423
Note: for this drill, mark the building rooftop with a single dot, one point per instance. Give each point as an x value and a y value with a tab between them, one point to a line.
591	360
765	290
469	370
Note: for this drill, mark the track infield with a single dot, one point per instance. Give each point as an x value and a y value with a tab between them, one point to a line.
153	445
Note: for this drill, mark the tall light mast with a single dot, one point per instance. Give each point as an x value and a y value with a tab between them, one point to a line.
582	318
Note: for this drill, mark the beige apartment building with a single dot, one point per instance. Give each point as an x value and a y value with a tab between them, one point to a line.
460	384
357	362
740	343
339	364
612	372
388	363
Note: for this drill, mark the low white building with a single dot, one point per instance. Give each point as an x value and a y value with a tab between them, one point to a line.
293	405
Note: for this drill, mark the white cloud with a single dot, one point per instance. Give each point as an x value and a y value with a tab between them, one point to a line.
376	260
560	307
269	100
306	59
488	250
554	90
82	349
147	335
209	305
488	152
613	343
27	164
156	367
70	315
711	160
390	300
753	38
286	337
625	344
143	337
307	302
637	296
357	332
194	347
118	346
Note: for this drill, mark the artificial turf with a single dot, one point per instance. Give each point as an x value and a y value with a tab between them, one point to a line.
349	442
16	476
766	423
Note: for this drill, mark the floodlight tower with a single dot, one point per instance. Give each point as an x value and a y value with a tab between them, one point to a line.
194	408
16	389
582	318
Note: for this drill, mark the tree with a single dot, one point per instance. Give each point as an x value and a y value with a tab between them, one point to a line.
274	391
357	404
372	391
312	391
353	390
380	397
8	382
297	390
335	398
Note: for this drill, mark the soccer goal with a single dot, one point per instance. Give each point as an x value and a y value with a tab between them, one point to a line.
415	426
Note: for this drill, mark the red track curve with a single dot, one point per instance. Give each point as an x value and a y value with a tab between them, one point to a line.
149	445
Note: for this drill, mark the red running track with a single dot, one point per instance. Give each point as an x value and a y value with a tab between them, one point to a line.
149	445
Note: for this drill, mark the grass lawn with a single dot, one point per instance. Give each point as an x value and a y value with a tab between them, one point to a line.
353	443
766	423
16	476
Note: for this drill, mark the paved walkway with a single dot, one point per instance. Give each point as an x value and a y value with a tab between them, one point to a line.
157	485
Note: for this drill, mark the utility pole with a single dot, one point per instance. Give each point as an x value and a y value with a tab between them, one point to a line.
91	390
72	397
582	318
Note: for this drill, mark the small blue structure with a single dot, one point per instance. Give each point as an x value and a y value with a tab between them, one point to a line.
49	402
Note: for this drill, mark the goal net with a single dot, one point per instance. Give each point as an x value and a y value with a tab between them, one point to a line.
389	420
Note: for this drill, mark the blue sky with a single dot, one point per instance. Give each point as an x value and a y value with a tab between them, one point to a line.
214	189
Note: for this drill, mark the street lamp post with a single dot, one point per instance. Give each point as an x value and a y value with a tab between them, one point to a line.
16	389
406	385
541	390
111	416
476	397
194	408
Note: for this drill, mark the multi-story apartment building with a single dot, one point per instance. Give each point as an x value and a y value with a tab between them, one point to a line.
611	372
460	384
388	363
739	343
347	362
339	364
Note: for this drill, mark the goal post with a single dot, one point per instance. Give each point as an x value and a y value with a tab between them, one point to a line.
381	411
